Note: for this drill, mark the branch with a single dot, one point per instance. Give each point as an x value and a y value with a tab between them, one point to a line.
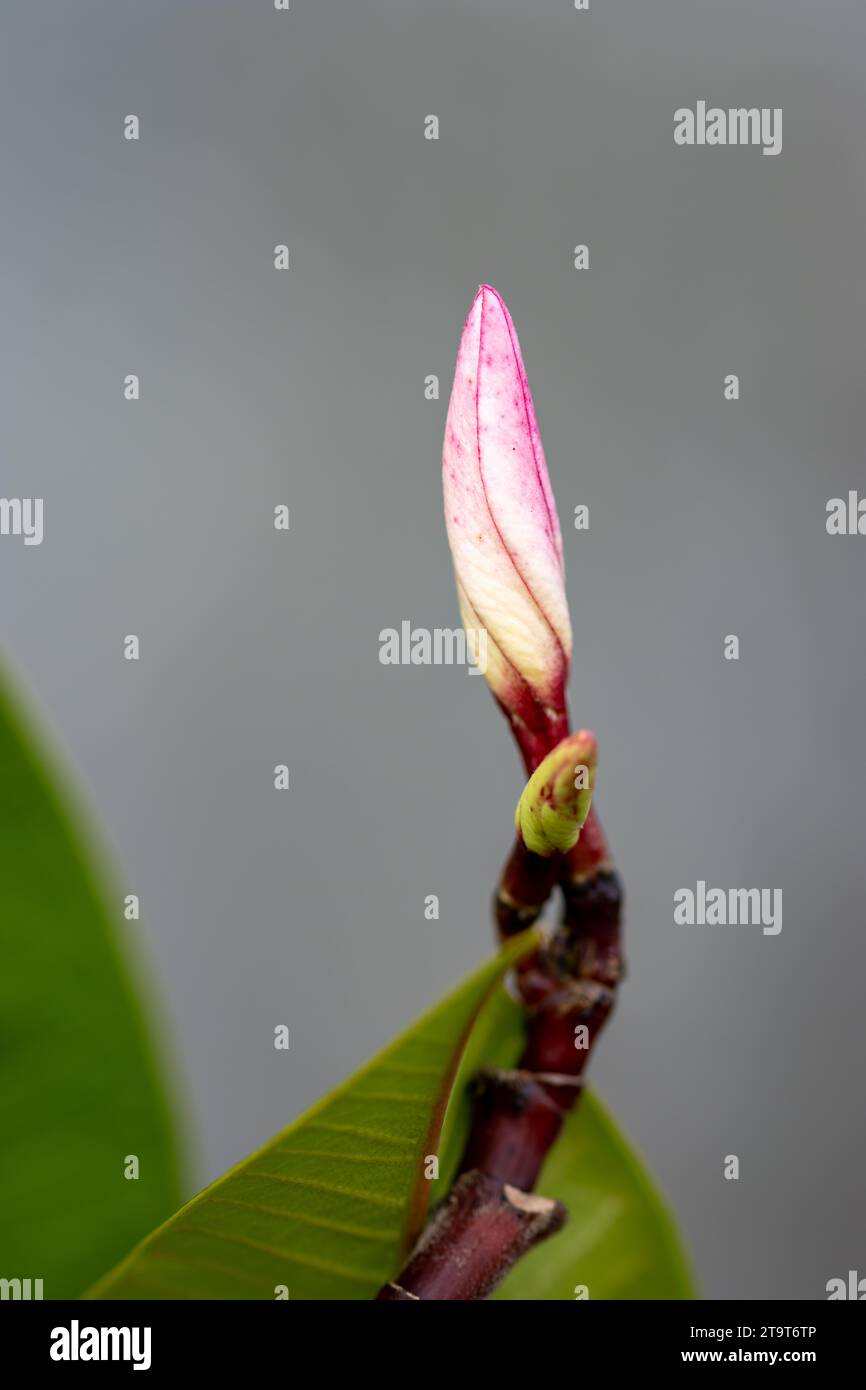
481	1229
568	989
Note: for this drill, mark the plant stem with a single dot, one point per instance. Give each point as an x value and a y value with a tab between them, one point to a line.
568	988
481	1229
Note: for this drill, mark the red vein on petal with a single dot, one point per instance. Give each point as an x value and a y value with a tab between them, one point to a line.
552	521
505	547
521	692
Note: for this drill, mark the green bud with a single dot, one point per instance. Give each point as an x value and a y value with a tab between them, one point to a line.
555	801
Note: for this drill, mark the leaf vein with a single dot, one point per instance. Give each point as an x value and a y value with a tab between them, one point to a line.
358	1133
345	1158
358	1276
344	1228
374	1199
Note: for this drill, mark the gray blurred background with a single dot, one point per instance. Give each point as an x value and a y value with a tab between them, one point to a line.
307	387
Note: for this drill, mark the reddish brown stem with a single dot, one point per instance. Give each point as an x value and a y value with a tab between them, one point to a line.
481	1229
536	728
568	990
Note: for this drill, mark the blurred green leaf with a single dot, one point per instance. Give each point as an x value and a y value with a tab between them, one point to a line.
619	1241
330	1206
79	1087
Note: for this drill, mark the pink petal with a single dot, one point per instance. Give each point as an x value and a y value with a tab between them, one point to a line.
501	517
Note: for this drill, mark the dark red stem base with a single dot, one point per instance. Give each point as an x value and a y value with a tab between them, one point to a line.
568	988
481	1229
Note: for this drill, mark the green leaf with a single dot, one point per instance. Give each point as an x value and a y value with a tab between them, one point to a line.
619	1241
79	1088
328	1208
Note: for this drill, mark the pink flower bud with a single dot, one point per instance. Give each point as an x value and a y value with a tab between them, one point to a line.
504	532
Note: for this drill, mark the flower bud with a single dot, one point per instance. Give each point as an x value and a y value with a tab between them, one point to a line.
503	530
556	799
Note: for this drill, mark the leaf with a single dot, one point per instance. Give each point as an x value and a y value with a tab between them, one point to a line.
619	1241
330	1206
79	1087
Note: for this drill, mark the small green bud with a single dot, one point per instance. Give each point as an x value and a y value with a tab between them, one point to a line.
555	801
